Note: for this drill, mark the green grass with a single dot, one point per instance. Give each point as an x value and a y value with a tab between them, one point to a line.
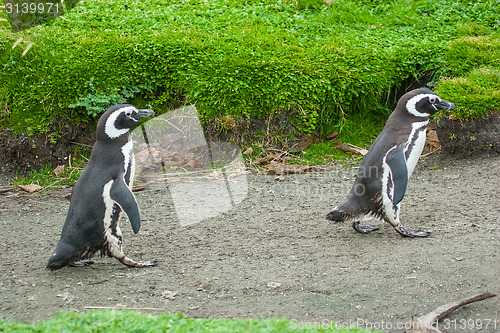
128	321
48	179
324	67
475	94
323	153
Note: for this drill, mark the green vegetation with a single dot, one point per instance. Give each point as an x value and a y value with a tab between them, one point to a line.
322	67
476	93
49	177
472	81
324	152
128	321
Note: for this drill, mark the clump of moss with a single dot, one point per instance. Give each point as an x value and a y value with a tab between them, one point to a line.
475	94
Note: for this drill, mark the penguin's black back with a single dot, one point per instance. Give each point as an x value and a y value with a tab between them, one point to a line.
365	195
83	230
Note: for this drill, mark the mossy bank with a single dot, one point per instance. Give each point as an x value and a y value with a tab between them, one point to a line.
254	69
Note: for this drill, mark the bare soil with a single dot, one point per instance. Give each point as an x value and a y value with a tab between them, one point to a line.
275	255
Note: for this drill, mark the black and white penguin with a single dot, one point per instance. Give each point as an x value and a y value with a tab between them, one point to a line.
381	181
101	193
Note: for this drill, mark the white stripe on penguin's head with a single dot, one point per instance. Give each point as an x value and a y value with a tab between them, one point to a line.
412	102
110	128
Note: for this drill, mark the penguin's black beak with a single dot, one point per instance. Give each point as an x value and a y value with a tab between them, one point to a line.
143	113
445	105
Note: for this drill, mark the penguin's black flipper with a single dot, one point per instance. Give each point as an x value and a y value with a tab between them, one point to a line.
397	163
122	194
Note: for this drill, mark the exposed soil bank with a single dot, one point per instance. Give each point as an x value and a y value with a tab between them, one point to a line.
470	138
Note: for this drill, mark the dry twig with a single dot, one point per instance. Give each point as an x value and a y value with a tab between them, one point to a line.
423	324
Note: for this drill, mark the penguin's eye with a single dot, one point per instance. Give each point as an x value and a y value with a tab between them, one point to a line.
128	113
432	99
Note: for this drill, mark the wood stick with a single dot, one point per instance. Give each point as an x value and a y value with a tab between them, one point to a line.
7	188
423	324
80	144
429	153
120	308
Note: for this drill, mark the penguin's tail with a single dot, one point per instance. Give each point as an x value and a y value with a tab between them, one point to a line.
341	213
336	215
63	255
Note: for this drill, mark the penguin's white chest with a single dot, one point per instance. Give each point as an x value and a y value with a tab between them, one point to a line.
129	161
415	145
127	155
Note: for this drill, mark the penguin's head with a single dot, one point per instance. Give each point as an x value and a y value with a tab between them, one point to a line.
118	119
423	102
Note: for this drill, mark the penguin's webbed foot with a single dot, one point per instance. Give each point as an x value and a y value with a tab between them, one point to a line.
412	234
81	263
139	264
364	229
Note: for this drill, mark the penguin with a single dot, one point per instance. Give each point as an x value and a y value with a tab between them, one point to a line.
101	194
381	181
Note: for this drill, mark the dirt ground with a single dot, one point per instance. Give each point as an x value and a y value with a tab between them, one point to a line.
275	255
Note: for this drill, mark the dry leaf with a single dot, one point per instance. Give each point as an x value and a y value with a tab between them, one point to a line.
27	49
59	169
261	160
31	188
432	140
191	164
332	135
249	151
349	148
359	150
303	144
17	42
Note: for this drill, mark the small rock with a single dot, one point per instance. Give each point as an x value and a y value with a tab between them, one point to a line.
273	285
66	297
169	295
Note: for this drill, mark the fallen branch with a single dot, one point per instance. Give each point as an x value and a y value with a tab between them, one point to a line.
120	308
285	169
429	153
7	188
424	324
141	187
80	144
